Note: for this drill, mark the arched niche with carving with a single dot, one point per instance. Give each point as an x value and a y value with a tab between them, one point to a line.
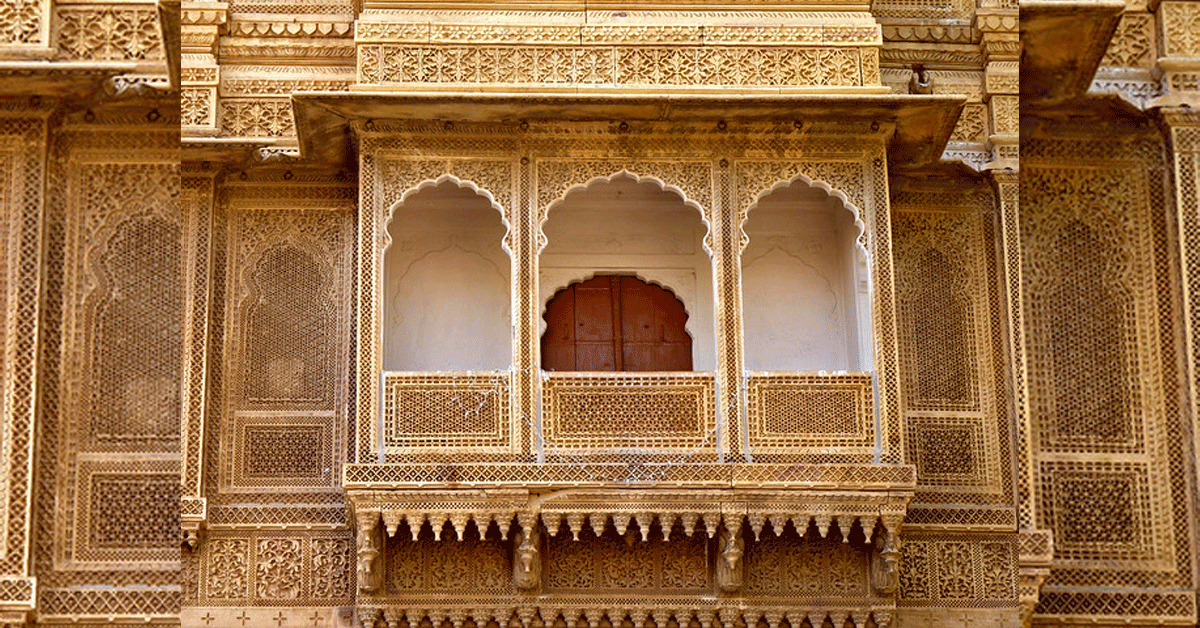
805	283
447	300
137	305
627	225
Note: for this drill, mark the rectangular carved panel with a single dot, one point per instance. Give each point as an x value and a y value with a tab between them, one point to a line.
808	414
1100	312
609	412
286	339
428	412
954	364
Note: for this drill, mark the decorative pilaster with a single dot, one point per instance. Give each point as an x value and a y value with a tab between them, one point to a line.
199	193
201	24
1001	47
23	134
1182	128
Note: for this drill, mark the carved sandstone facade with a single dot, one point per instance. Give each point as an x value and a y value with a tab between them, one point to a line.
927	388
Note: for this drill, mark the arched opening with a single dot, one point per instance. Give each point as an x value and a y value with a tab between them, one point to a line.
447	302
139	318
805	294
624	226
287	320
615	323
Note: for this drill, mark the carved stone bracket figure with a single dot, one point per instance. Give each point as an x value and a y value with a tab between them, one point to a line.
527	564
732	547
370	558
885	561
191	535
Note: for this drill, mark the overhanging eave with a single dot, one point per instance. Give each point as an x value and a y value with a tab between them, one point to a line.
923	123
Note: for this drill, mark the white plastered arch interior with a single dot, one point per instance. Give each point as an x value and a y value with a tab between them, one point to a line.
806	284
446	298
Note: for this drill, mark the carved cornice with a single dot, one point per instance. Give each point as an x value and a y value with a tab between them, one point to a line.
286	48
290	28
966	56
205	13
949	34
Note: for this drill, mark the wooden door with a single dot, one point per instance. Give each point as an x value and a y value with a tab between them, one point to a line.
615	323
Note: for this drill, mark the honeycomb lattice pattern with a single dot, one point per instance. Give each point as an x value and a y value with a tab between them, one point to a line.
138	511
288	325
465	411
137	362
799	413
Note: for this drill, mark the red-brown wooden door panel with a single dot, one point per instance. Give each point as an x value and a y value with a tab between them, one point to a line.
616	323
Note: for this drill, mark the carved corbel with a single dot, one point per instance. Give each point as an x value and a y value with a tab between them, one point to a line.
191	535
885	560
527	564
370	554
732	548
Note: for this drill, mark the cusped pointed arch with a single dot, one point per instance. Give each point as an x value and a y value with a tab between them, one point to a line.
559	189
446	178
801	179
622	222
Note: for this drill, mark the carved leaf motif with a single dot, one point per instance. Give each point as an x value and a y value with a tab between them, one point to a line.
333	564
227	569
954	563
914	565
569	565
998	570
277	574
624	566
684	564
20	21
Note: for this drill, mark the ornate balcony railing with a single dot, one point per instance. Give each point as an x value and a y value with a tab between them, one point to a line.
810	416
640	418
466	415
628	415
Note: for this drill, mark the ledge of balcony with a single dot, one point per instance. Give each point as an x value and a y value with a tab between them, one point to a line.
556	476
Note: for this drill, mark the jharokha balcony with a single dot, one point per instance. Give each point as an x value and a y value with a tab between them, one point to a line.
621	433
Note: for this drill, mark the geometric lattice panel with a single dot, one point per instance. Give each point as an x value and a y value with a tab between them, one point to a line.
810	413
282	450
424	412
953	452
125	512
624	411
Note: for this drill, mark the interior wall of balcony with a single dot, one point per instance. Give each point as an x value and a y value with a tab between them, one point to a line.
804	285
447	300
623	226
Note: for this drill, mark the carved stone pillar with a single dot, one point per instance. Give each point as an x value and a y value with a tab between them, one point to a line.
199	192
1033	565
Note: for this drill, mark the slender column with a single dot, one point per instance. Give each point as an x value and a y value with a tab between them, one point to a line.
525	245
726	245
199	191
1007	200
